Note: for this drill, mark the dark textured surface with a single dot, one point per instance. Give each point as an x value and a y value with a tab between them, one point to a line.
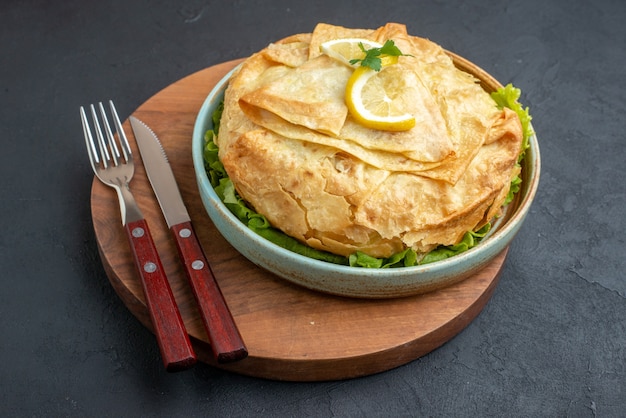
551	342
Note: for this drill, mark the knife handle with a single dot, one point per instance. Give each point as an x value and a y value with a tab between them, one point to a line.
176	350
225	339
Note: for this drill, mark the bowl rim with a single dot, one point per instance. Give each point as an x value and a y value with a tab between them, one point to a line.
531	167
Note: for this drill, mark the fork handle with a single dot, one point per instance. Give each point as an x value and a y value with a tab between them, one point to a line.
176	350
226	342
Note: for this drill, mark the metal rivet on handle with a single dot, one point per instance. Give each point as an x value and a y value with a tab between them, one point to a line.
197	265
149	267
184	233
138	232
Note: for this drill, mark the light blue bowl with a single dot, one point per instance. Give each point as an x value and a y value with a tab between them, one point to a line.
354	281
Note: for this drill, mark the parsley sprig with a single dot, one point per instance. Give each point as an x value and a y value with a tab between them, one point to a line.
372	56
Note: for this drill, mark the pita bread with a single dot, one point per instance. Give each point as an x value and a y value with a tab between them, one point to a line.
295	154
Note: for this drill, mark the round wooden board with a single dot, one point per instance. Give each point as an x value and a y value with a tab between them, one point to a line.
291	333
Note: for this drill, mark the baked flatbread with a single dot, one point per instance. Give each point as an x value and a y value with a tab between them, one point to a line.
296	155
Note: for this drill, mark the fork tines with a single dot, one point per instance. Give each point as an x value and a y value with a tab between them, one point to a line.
107	151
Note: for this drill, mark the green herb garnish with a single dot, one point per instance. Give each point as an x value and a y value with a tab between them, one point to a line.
373	56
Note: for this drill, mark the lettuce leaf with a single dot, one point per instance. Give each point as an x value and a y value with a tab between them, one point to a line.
505	97
508	96
470	240
406	258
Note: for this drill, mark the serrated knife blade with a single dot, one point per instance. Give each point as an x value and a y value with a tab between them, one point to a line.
160	174
224	337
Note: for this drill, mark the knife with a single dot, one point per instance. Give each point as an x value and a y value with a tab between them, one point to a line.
174	344
224	337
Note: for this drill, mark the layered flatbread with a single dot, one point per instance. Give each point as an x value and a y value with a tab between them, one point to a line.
296	155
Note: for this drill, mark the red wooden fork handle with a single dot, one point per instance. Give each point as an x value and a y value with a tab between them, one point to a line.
176	350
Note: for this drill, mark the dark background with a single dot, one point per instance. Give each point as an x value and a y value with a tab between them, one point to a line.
552	340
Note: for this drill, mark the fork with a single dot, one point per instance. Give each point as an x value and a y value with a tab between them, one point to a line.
116	169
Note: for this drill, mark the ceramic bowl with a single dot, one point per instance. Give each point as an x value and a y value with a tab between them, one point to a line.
355	281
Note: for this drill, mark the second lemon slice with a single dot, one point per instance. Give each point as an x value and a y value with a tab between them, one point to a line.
378	100
344	50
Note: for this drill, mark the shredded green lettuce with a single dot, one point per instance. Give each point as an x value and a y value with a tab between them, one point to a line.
505	97
406	258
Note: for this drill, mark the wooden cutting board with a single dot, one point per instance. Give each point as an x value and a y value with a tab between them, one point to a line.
291	333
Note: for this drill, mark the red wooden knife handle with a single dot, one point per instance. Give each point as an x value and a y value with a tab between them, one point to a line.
176	350
225	339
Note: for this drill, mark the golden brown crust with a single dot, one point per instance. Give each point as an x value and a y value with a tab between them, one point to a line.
297	157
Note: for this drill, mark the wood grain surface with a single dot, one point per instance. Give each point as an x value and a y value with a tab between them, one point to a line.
291	333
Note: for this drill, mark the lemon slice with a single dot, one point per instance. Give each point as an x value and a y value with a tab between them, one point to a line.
344	50
378	100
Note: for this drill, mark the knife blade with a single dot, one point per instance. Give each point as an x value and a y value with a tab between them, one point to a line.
226	341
